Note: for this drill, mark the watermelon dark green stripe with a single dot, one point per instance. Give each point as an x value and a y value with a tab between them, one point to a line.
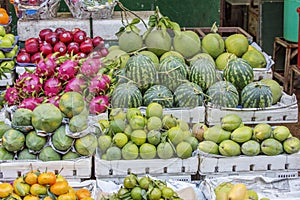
203	73
188	95
172	72
159	94
223	93
256	95
141	70
239	72
126	95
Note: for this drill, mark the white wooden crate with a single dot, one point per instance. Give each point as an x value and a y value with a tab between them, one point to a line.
7	81
293	161
280	166
31	28
104	168
262	73
21	69
285	111
70	169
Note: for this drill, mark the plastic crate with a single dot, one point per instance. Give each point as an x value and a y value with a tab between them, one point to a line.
285	111
71	169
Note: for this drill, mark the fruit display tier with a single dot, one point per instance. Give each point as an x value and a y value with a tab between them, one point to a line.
280	166
77	169
285	111
154	167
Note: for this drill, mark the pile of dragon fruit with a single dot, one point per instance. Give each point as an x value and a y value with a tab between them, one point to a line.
55	76
60	42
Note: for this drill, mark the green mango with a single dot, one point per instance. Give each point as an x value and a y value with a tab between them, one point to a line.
271	147
2	55
10	54
7	66
2	31
229	148
216	134
11	37
5	42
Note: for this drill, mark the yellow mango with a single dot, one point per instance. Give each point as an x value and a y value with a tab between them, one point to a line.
237	192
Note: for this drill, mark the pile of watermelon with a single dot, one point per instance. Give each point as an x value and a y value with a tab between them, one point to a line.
48	132
174	83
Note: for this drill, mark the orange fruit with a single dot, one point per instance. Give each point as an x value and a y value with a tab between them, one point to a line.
67	196
31	197
59	188
2	10
83	193
5	190
31	178
47	198
4	18
37	189
47	178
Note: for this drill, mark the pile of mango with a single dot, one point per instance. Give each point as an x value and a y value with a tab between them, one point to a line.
36	185
232	138
230	191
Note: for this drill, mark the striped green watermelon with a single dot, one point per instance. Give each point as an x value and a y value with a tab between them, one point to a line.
239	72
141	70
203	73
160	94
126	95
256	95
223	93
188	95
172	72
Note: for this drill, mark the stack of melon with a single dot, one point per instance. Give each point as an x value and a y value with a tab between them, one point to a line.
49	133
209	68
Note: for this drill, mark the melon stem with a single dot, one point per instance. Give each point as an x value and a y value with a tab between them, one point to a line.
125	10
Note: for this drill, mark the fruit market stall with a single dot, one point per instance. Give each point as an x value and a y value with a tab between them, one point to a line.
169	106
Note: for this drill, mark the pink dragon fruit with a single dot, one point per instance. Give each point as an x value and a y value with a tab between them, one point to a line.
90	67
52	87
99	83
46	67
76	84
54	100
31	102
67	70
99	104
29	84
12	96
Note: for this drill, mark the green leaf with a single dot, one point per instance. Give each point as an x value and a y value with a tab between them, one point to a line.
135	21
121	30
